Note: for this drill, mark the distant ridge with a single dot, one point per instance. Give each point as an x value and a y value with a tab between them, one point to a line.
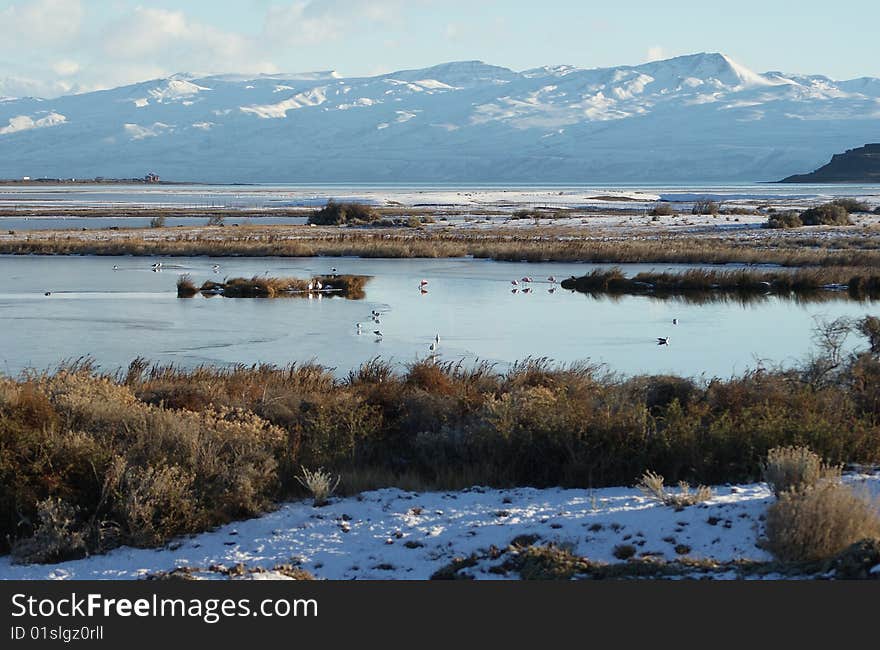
861	165
690	119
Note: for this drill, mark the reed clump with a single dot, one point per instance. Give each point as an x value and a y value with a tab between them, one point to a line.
186	288
859	282
352	287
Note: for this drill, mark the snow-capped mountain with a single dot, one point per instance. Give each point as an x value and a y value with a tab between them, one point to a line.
694	118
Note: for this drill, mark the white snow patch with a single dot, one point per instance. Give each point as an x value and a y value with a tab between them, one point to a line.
175	89
138	132
313	97
26	123
391	533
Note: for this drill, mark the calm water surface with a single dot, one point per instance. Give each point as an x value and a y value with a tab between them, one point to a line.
115	316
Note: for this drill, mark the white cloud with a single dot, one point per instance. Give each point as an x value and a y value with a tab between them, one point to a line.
18	86
453	31
308	22
68	46
655	53
65	67
42	22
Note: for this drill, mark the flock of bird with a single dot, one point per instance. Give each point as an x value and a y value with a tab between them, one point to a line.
526	282
522	285
375	318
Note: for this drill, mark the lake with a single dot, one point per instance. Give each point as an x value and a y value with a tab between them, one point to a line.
115	316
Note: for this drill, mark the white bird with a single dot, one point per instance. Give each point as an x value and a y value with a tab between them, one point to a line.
310	286
423	283
333	270
552	279
675	321
526	279
662	340
359	328
115	268
514	283
432	348
551	290
377	333
318	285
437	339
215	268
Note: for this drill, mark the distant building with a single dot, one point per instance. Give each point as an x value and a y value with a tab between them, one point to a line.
151	178
25	178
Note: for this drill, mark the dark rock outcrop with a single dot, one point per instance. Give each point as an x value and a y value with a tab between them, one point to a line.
860	165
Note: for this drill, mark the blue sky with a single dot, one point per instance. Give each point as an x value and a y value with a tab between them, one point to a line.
49	47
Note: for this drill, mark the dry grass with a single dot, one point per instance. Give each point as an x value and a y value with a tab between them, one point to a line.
796	468
505	244
259	286
819	522
858	281
319	483
186	288
152	452
651	485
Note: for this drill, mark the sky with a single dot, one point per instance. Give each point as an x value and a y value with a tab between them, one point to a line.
54	47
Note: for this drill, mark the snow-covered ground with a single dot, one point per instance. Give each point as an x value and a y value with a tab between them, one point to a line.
392	534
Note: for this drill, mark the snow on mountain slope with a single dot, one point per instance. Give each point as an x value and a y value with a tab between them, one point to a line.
695	118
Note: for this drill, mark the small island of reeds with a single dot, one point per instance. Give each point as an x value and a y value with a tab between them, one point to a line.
259	286
857	282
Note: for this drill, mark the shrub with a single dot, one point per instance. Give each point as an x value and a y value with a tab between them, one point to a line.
795	469
336	214
858	561
827	214
789	219
549	562
869	327
706	207
819	522
186	288
57	535
651	485
851	205
158	221
216	220
319	483
662	210
624	551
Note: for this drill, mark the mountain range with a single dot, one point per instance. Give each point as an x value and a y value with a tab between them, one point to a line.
690	119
